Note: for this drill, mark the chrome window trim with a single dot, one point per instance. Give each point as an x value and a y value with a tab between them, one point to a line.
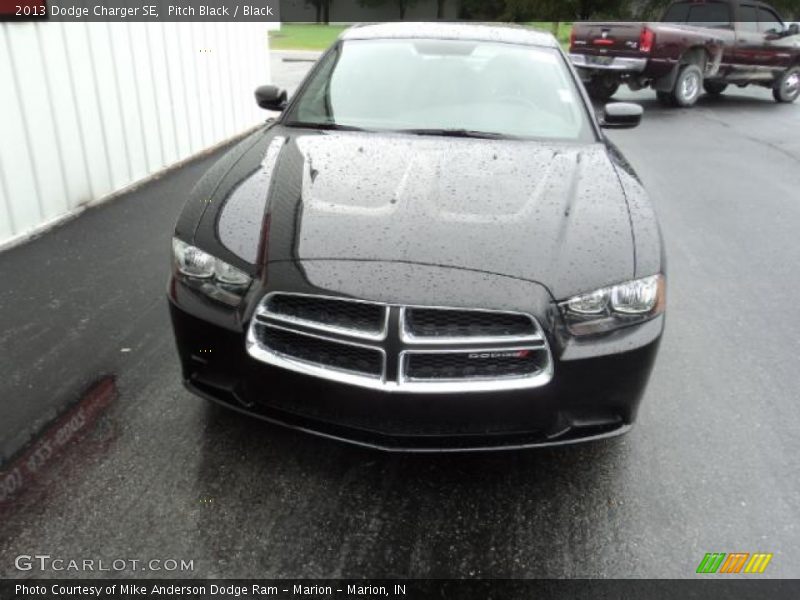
262	311
409	338
271	356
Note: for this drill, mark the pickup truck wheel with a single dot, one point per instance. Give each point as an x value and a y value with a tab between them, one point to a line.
788	88
714	88
688	86
601	89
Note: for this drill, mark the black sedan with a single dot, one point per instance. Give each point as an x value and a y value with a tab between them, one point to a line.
433	247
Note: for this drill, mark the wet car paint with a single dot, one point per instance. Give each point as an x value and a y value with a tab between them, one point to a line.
427	221
539	212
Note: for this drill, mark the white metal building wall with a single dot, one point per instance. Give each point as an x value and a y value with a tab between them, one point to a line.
87	109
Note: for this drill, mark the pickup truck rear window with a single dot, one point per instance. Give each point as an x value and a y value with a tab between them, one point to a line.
707	14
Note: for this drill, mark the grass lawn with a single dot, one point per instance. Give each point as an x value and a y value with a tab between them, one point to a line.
311	36
564	30
304	36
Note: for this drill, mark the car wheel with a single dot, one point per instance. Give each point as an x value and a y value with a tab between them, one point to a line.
601	89
688	86
788	88
714	88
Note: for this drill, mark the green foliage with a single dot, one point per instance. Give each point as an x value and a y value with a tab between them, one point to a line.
481	10
564	10
548	10
304	36
560	29
653	9
789	9
560	10
402	5
323	8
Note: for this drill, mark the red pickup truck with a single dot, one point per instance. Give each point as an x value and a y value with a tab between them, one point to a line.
698	45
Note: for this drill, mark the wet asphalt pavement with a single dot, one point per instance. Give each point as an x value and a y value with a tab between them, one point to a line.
713	464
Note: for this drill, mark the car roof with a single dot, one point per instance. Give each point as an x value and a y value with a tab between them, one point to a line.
482	32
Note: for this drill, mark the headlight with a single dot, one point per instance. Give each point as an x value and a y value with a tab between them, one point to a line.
616	306
212	276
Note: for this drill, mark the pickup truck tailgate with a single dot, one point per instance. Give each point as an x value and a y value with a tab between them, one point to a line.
619	39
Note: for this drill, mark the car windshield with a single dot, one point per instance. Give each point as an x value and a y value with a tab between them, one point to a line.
449	87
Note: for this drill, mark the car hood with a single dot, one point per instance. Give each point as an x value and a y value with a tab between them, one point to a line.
554	214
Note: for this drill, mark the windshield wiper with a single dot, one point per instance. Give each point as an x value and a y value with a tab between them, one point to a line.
443	132
460	133
324	126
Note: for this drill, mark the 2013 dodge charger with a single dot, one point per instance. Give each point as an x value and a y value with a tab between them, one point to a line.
433	247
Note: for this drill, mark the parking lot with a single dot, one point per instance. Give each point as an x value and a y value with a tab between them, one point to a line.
711	466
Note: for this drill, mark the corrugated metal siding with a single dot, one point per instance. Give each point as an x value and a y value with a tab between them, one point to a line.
89	108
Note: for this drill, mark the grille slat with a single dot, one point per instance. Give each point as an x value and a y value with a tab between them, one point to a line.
432	325
319	351
434	349
360	319
478	364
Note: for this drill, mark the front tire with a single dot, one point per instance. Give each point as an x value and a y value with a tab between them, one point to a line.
787	89
602	89
688	86
714	88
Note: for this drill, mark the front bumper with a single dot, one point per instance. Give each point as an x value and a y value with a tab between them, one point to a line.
617	64
591	396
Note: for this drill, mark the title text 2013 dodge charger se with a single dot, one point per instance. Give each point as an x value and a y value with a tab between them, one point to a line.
432	248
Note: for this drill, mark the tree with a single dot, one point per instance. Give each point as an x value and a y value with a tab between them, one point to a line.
654	9
564	10
402	5
481	10
789	9
323	8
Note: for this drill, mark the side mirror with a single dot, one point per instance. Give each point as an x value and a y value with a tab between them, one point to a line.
271	97
621	115
793	29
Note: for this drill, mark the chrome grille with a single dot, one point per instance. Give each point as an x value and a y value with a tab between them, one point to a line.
400	348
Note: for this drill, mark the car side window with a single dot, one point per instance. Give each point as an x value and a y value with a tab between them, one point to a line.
711	14
768	21
749	18
677	13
